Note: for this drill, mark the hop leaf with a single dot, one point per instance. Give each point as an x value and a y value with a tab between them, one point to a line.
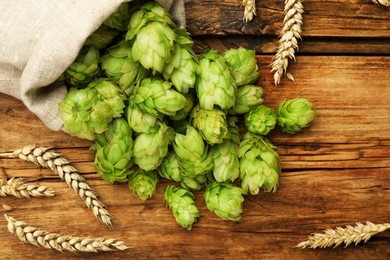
182	204
259	164
225	200
151	148
211	124
294	114
114	149
215	85
260	120
143	183
243	65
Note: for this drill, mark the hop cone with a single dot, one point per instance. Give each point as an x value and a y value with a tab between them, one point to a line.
143	183
182	204
225	200
119	65
114	149
156	95
260	120
153	36
101	38
119	20
194	183
110	94
183	113
192	153
294	114
225	155
150	148
248	97
243	65
141	121
259	164
90	110
170	168
215	85
183	66
84	68
211	124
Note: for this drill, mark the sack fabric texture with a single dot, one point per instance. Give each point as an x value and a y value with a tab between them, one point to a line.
39	39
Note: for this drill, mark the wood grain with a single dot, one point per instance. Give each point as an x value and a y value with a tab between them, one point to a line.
336	172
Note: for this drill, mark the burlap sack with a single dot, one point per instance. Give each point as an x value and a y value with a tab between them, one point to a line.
39	39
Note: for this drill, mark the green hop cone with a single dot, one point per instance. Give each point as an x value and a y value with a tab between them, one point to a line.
225	200
155	95
101	38
119	65
225	155
182	204
143	183
77	110
150	148
293	115
183	113
259	164
243	65
215	85
194	183
192	153
183	66
84	68
119	19
152	32
141	121
114	150
260	120
248	97
211	124
169	168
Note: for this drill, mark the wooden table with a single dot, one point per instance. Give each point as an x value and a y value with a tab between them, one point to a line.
336	172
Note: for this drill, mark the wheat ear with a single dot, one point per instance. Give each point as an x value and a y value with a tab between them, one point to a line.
21	189
43	156
349	234
289	36
249	10
42	238
382	2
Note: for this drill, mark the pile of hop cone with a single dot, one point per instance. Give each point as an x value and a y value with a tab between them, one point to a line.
157	110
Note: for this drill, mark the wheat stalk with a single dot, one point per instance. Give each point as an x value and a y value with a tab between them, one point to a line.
19	188
42	238
43	156
349	234
382	2
249	10
289	36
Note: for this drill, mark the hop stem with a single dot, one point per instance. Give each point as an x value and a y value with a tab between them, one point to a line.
42	238
43	156
18	188
349	234
288	42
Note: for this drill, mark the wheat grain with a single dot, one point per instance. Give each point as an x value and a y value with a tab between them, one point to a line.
382	2
249	10
7	207
18	188
42	238
43	156
349	234
288	42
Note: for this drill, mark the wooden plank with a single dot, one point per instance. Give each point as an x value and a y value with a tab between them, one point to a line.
334	173
332	18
